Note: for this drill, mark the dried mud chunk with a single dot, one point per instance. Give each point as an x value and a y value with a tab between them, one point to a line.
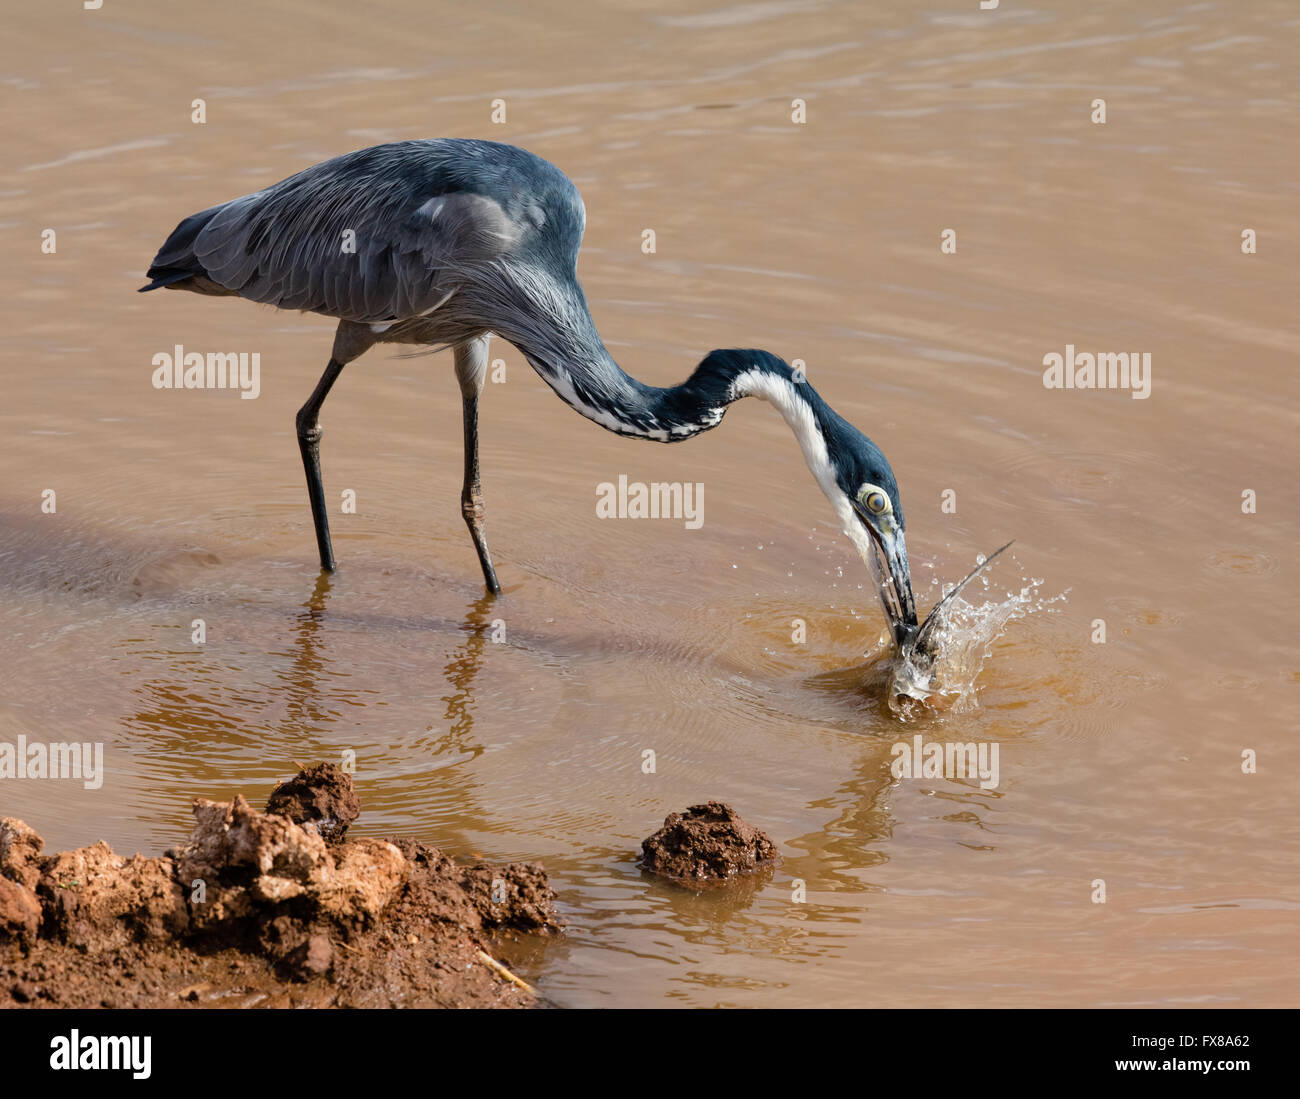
20	912
20	852
320	799
366	877
245	859
96	900
314	958
707	842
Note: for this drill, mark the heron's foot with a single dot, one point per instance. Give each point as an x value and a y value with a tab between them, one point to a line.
471	507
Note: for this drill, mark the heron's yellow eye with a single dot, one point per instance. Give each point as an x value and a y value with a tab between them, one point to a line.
873	499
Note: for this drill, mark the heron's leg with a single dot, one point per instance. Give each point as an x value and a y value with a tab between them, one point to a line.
471	372
309	435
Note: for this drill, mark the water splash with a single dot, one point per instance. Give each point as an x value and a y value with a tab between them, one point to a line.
944	677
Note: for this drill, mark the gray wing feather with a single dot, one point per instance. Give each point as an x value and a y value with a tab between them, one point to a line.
285	245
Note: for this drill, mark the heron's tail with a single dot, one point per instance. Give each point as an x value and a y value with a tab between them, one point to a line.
161	279
176	260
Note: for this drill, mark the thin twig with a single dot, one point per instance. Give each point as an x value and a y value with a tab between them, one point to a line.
502	971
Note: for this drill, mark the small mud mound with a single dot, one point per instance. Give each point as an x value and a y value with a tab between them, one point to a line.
321	799
708	842
257	909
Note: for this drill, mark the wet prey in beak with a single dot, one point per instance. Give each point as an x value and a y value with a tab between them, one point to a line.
923	642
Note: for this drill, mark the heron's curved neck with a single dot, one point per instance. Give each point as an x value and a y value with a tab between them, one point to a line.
548	320
617	401
603	392
574	362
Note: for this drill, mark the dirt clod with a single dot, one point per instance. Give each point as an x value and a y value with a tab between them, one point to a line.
320	799
708	842
311	959
20	853
20	912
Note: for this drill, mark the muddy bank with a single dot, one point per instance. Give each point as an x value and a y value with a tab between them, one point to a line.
271	908
709	843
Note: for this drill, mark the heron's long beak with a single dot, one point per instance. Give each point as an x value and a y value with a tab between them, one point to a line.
893	575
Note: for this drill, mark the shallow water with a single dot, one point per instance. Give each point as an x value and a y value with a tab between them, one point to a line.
1118	761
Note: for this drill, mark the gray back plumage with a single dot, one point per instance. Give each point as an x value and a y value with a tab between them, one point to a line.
382	234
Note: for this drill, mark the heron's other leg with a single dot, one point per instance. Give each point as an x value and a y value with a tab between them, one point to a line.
349	342
471	372
309	435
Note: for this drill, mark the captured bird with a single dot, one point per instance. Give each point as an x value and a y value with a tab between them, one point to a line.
445	243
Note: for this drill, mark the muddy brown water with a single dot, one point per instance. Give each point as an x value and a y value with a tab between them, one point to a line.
1119	761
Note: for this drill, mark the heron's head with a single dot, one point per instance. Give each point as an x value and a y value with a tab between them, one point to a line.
849	467
872	516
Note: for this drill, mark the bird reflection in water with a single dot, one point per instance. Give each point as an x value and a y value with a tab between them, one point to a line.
303	711
461	670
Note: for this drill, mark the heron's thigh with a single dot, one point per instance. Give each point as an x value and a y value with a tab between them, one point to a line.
471	365
352	340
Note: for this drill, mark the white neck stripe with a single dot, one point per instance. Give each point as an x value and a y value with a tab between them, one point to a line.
798	413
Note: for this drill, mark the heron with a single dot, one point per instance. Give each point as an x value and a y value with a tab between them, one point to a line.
444	243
